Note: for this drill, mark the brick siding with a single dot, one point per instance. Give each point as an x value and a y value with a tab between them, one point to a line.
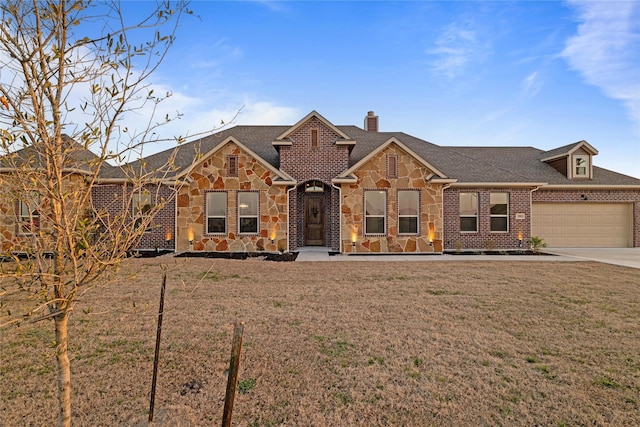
519	203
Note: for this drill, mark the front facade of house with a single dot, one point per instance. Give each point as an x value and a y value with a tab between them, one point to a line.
359	190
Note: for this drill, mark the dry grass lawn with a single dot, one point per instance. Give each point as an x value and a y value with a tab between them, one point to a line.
344	344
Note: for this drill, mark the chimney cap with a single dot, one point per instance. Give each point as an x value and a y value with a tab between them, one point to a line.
371	114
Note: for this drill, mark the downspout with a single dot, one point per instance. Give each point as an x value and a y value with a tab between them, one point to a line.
289	218
339	214
531	210
175	219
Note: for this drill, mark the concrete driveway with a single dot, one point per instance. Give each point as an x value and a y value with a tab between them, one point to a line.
628	257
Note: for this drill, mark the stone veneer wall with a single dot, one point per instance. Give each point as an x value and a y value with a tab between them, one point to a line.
372	176
211	175
160	233
519	202
596	196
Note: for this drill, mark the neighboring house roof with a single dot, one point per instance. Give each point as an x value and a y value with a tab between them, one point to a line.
471	165
78	158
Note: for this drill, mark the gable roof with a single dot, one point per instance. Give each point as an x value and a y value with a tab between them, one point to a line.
283	178
567	150
392	140
302	121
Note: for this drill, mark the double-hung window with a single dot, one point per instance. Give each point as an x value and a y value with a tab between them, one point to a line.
499	212
408	211
216	212
580	166
375	212
248	212
28	215
469	212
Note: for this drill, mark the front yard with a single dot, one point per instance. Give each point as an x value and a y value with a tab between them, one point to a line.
344	344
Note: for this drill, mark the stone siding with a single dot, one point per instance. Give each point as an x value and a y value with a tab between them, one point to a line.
211	175
411	176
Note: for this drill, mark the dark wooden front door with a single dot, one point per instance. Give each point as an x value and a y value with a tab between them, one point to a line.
314	219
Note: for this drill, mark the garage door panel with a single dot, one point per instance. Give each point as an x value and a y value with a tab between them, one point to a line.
583	224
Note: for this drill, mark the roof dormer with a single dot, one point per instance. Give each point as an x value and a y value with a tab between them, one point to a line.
575	161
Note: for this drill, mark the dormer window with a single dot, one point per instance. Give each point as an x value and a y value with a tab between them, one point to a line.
581	166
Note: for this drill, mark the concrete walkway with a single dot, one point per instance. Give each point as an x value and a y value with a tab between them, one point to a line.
628	257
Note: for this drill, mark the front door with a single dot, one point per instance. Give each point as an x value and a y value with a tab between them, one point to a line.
314	219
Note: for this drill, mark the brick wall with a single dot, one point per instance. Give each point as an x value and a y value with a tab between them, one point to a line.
519	203
324	162
595	196
116	198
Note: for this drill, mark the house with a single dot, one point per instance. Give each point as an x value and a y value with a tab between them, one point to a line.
353	189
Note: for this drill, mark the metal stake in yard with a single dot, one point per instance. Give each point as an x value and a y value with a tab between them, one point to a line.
232	380
157	355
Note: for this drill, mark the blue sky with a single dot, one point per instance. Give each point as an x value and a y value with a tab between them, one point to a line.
502	73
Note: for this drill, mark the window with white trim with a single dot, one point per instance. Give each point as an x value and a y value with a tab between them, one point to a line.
408	211
28	215
469	212
580	166
375	212
248	212
499	212
216	212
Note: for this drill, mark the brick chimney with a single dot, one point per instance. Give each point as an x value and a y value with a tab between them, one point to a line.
371	122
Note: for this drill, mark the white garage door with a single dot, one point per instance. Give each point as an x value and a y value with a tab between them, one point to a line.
583	225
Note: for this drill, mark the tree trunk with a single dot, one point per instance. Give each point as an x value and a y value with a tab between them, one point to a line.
64	370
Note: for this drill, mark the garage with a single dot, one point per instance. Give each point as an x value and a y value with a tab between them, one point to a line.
583	225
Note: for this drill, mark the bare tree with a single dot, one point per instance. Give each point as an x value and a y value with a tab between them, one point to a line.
71	74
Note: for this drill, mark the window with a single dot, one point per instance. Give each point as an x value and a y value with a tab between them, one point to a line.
232	165
216	212
499	212
29	217
248	212
313	187
392	166
408	212
468	212
314	138
580	166
375	210
142	207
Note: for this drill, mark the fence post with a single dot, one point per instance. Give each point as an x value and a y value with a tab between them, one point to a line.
232	380
157	355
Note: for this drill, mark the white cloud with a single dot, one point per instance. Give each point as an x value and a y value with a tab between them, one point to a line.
456	48
606	51
532	84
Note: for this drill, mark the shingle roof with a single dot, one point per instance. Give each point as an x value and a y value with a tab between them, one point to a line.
466	164
77	157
